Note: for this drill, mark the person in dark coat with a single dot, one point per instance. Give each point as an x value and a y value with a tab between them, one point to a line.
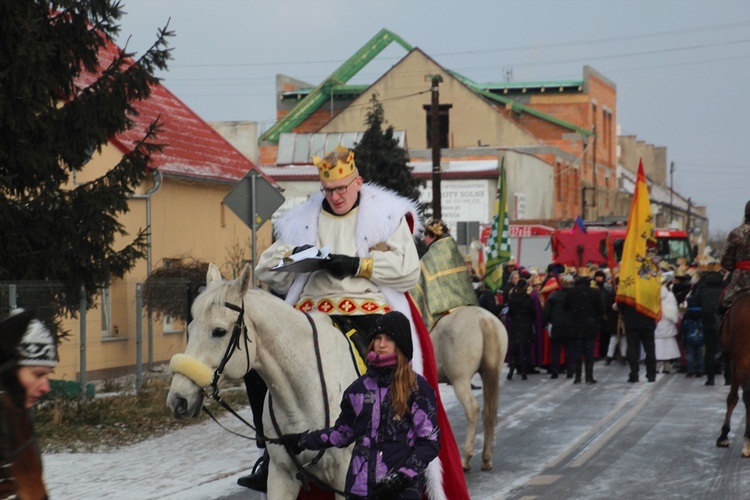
556	315
584	304
488	300
390	415
707	293
639	330
607	297
522	316
736	260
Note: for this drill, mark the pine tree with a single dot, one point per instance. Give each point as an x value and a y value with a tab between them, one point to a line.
59	105
380	159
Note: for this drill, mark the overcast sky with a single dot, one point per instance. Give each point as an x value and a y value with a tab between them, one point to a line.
681	67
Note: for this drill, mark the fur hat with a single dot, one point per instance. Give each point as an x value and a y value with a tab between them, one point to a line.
12	329
38	347
396	326
747	210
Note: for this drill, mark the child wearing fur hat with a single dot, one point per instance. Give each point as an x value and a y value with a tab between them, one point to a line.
390	415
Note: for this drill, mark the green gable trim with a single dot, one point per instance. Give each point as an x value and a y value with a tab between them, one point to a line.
520	108
336	90
514	106
322	92
552	84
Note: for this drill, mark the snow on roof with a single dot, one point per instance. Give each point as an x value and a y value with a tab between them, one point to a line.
192	148
457	167
464	168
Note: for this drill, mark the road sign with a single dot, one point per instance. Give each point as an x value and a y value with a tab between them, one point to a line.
240	199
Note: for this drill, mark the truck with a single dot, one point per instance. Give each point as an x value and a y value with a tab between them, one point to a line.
529	244
602	245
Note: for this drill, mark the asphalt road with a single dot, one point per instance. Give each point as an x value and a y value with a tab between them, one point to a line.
557	440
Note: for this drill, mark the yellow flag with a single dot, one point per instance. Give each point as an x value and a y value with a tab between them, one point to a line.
640	282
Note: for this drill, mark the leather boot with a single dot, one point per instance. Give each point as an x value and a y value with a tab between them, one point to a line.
577	380
258	479
590	371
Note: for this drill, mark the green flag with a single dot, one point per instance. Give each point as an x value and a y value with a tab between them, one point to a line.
498	251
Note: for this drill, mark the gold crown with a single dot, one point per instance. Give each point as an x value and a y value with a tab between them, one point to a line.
335	165
584	272
437	227
709	265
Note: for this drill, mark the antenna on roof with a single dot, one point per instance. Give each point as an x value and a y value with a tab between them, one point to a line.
508	74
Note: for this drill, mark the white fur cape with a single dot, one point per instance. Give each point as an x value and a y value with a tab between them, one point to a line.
380	213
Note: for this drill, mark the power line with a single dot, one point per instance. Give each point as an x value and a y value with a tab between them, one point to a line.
486	51
603	40
691	164
266	80
615	56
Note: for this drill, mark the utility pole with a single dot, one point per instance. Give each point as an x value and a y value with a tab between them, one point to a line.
671	193
435	139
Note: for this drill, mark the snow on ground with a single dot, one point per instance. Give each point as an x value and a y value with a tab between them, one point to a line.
201	461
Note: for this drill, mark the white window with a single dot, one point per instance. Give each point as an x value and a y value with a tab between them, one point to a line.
169	326
105	306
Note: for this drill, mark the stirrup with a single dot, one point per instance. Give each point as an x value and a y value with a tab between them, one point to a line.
258	477
258	463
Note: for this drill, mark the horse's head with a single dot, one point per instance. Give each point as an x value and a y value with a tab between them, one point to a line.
219	343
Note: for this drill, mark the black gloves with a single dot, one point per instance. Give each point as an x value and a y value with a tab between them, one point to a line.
341	266
391	485
291	442
300	248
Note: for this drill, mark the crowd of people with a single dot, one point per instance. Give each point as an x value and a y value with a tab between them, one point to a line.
374	280
568	318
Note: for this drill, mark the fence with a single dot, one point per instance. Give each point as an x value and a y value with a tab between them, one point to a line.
170	297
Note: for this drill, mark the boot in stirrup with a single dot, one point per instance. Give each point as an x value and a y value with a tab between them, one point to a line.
258	479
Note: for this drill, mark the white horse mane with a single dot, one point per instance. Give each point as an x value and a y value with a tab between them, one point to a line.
281	348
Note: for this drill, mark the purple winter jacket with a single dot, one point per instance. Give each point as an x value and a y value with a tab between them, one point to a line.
383	443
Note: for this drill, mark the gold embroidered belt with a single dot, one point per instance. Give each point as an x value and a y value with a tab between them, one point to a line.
346	306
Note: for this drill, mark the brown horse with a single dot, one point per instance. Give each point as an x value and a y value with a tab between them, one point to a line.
735	334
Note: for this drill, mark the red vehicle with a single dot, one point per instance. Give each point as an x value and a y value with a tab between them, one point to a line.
529	244
603	245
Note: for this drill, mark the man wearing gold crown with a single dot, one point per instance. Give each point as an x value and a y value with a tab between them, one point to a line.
373	261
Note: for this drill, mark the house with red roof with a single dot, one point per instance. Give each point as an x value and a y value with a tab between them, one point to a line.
181	203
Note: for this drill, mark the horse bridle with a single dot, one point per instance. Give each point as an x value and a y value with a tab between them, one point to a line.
234	343
240	328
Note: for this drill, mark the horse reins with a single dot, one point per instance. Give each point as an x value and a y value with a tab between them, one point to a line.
240	328
234	343
302	469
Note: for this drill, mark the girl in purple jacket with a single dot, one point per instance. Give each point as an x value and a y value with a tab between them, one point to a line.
390	415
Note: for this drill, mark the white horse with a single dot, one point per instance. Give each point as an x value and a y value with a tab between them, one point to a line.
472	340
279	344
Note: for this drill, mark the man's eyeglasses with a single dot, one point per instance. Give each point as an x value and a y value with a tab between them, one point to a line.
338	189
